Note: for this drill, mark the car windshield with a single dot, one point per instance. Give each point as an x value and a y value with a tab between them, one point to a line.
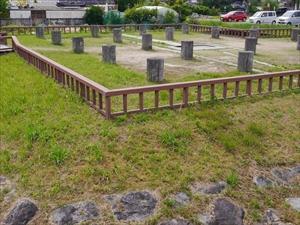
257	14
288	14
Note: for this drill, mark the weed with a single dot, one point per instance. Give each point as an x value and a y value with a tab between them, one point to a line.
256	129
175	140
95	153
232	179
58	155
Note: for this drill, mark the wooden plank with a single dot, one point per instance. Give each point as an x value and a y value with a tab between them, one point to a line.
141	101
171	97
125	108
156	101
185	97
224	90
259	87
199	93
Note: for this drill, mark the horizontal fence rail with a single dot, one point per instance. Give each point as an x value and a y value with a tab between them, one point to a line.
116	102
264	33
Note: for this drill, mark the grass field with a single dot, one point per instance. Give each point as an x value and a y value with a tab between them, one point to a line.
238	25
58	150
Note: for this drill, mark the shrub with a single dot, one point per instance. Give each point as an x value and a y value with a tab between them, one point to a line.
139	16
169	17
4	9
94	15
113	18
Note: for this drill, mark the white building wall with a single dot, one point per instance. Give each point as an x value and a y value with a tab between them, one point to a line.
65	14
20	14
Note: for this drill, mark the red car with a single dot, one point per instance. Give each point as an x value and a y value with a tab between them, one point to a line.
234	16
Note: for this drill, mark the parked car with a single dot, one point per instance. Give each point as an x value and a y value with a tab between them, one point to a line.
234	16
281	11
290	18
268	17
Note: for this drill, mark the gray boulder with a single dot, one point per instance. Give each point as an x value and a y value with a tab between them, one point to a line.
75	213
262	181
175	222
285	175
272	217
181	199
226	212
23	211
208	188
294	203
133	206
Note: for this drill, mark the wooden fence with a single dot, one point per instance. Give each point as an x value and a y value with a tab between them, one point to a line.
100	97
264	33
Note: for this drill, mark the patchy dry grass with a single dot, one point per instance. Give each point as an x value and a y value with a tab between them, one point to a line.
58	150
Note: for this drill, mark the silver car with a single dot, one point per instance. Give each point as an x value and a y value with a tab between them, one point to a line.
291	17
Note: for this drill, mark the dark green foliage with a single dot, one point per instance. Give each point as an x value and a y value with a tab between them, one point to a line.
113	17
4	9
94	15
170	17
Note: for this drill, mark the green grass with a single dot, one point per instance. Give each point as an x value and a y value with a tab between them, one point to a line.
238	25
58	150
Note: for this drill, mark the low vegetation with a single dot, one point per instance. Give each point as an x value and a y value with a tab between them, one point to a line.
57	149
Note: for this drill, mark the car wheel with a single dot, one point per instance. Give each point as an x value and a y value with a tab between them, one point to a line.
258	22
229	20
289	23
244	20
274	22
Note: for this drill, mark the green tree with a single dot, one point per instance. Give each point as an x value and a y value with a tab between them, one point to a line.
269	4
94	15
183	9
4	9
169	17
112	17
139	16
125	4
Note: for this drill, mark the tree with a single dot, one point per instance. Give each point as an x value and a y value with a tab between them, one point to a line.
4	9
269	4
94	15
125	4
140	15
169	17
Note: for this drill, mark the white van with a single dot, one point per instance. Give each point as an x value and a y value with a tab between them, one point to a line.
290	18
268	17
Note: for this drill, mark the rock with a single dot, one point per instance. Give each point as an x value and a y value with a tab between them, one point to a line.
262	181
23	211
75	213
294	203
285	175
133	206
5	184
226	212
181	199
271	218
282	175
296	170
208	188
204	218
175	222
